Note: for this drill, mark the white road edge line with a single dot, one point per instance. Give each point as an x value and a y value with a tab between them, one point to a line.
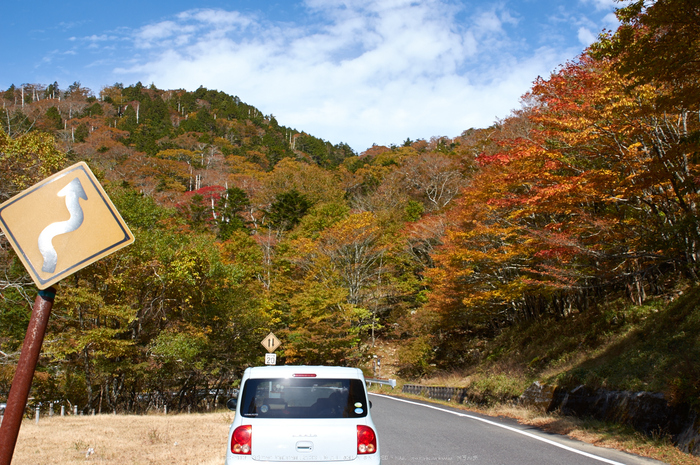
515	430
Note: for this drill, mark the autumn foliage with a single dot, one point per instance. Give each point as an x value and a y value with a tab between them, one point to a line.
593	192
587	192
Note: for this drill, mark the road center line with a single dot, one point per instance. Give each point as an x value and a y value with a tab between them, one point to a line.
515	430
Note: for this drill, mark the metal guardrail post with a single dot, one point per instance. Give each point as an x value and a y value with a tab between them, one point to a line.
388	382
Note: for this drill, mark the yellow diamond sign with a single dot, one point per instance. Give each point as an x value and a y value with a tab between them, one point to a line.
63	224
271	343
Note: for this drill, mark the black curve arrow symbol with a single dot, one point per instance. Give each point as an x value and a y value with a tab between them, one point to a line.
73	192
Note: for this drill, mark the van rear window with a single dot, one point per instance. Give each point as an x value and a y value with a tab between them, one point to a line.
303	398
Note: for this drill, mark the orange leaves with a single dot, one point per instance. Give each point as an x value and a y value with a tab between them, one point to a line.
588	179
357	228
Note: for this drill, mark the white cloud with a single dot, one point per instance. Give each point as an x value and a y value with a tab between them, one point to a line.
604	5
376	71
586	37
611	22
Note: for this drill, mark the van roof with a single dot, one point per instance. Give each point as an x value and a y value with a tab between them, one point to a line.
289	371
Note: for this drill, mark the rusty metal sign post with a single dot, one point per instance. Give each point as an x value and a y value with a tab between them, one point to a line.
22	382
51	248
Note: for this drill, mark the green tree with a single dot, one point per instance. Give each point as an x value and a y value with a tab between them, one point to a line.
9	94
52	91
202	121
198	213
81	132
128	121
229	209
54	117
288	209
94	110
322	332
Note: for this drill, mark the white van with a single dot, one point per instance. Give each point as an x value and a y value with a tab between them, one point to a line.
302	414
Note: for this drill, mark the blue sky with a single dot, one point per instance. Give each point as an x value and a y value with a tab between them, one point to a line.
354	71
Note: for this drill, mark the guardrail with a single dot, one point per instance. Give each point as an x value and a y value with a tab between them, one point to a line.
436	392
388	382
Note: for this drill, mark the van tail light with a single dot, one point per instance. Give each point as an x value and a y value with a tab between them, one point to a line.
241	439
366	440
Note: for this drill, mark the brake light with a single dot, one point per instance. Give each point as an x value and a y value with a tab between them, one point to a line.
304	375
366	440
241	439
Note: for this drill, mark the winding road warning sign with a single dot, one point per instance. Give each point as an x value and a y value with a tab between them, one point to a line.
63	224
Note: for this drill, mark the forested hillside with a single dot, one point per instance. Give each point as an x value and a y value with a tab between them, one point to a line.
585	194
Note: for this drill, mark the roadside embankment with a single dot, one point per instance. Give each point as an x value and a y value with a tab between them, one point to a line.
649	413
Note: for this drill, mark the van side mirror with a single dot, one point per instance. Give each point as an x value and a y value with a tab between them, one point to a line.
370	404
231	404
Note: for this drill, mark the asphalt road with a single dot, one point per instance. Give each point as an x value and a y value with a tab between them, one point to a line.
417	432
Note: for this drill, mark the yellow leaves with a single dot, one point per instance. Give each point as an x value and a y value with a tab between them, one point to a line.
87	323
303	246
183	269
317	184
179	155
114	93
357	227
27	159
324	326
501	295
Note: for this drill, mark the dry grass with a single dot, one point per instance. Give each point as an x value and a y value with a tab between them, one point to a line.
124	439
599	434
